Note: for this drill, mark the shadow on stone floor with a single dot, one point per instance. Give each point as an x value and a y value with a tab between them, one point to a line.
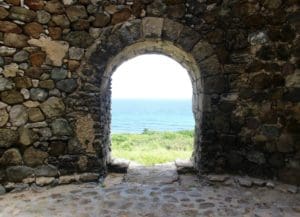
157	191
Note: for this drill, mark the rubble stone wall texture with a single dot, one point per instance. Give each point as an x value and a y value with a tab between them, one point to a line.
57	58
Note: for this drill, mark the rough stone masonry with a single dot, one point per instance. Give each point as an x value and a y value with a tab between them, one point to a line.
57	58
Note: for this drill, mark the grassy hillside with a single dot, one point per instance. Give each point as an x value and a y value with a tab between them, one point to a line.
151	147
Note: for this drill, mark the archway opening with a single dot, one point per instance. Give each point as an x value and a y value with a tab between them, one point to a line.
152	118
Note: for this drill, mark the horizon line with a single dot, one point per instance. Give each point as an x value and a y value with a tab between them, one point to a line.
152	98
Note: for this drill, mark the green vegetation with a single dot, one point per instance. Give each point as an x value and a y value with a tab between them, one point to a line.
152	147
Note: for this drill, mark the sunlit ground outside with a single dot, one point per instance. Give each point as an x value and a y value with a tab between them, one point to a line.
149	147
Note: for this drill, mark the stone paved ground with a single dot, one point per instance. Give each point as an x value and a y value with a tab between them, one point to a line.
153	192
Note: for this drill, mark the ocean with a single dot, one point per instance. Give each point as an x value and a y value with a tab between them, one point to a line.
135	115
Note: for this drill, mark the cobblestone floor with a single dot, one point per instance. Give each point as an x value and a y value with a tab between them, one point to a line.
152	192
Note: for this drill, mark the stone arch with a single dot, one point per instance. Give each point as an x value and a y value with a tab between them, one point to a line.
150	35
168	49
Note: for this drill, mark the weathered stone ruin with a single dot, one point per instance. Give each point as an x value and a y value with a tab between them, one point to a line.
57	59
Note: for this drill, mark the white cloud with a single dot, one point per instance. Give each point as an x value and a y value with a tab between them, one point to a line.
151	76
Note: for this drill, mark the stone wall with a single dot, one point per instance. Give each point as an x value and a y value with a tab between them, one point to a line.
57	58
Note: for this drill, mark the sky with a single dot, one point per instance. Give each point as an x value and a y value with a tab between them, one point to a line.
151	76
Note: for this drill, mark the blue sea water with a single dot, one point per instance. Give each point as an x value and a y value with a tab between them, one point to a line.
135	115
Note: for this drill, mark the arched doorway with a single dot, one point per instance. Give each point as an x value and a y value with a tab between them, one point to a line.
157	47
118	44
